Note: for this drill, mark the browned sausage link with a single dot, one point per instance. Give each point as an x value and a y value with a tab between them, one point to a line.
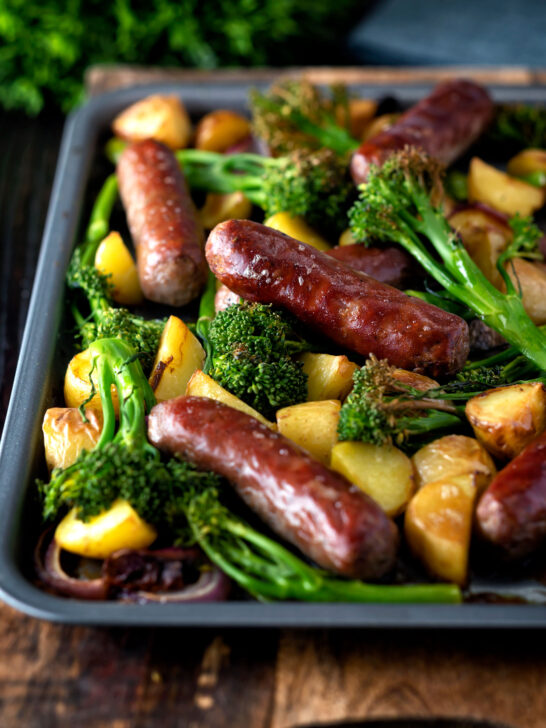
444	124
163	222
389	265
317	510
352	309
512	511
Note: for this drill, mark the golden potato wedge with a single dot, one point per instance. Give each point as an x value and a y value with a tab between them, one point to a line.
221	129
506	419
178	356
450	456
328	376
120	527
66	434
379	124
201	385
297	228
438	526
485	235
346	238
113	259
218	208
162	118
504	193
381	471
361	112
530	278
528	162
312	426
77	383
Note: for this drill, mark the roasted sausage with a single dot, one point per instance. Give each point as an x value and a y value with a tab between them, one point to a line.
163	222
512	511
352	309
444	125
390	265
319	511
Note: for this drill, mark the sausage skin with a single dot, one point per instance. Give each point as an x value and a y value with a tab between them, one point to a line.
444	125
354	310
163	222
512	511
319	511
389	265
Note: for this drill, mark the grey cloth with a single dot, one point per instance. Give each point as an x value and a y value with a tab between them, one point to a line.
439	32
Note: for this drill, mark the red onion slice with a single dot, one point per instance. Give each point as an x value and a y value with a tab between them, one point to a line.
212	584
50	570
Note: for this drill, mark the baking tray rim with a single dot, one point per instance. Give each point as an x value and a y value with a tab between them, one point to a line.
28	397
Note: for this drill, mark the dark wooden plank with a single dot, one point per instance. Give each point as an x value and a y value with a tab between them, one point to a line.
355	675
53	676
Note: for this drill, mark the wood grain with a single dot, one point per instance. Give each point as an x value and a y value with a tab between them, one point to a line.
99	79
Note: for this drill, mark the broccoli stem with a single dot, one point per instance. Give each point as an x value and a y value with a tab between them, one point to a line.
222	173
99	221
409	216
269	571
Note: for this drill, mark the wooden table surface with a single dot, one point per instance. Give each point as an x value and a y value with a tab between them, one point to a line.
54	676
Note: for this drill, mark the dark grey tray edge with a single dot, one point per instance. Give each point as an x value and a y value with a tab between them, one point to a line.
28	397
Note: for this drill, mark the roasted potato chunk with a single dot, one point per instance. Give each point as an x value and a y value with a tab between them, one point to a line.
361	112
297	228
328	376
66	434
528	163
77	383
379	124
530	278
162	118
346	238
219	208
179	355
485	235
506	419
312	426
383	472
221	129
113	259
450	456
120	527
504	193
438	526
201	385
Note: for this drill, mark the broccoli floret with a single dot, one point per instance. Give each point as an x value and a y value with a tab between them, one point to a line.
316	185
395	205
519	126
106	320
294	115
250	348
123	464
380	409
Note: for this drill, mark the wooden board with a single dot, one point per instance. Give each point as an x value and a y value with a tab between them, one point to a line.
99	79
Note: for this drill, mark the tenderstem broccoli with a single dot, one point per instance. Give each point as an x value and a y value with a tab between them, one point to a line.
395	204
381	410
123	464
314	185
269	571
249	352
294	115
106	320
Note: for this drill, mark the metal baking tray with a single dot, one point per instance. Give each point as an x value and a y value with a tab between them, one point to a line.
36	386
